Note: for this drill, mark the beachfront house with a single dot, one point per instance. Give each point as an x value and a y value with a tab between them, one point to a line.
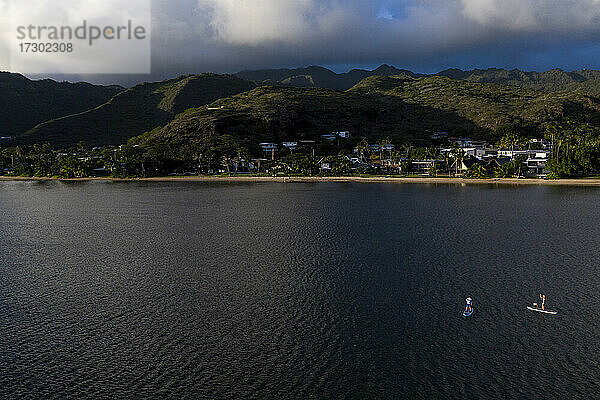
269	149
540	144
476	152
342	134
325	165
329	137
536	163
307	143
425	167
439	135
102	171
462	142
479	144
291	146
513	153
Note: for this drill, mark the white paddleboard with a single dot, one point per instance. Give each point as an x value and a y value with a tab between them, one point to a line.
541	311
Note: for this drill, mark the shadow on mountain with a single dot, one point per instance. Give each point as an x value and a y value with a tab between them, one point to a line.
26	103
275	114
135	111
111	123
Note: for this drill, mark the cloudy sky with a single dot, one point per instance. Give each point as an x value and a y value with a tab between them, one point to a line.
421	35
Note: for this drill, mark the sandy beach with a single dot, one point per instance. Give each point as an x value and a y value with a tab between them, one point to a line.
382	179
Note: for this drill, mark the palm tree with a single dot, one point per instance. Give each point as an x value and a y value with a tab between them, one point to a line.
477	171
20	152
384	143
362	147
433	153
458	155
519	162
407	147
511	141
242	154
447	160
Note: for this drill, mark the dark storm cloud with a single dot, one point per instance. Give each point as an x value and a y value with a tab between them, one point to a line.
427	35
229	35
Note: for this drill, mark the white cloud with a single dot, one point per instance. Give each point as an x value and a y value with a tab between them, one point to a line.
4	35
342	24
534	15
72	54
252	22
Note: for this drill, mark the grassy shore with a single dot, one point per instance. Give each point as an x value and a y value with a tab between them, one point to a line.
595	181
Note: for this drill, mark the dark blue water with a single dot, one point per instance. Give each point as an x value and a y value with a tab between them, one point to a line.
350	291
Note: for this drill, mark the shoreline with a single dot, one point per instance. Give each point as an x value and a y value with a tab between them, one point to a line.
307	179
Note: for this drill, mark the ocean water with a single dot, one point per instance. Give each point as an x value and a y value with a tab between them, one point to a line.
297	291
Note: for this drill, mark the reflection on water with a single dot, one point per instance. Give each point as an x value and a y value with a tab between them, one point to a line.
171	290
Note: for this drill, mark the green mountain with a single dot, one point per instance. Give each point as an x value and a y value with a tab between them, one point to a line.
404	106
315	76
549	81
270	113
135	111
401	108
487	105
25	103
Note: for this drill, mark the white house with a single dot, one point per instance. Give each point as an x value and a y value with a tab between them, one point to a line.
541	143
439	135
514	153
423	167
462	142
290	145
269	148
536	163
342	134
479	144
474	151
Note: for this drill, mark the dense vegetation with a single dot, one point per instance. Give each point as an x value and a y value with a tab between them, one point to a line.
135	111
230	156
403	109
576	150
575	153
487	107
549	81
270	113
25	103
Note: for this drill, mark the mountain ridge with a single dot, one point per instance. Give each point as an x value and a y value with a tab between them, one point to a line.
401	108
26	103
136	110
320	76
465	101
548	81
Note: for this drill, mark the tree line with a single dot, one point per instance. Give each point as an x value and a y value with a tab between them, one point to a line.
575	151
